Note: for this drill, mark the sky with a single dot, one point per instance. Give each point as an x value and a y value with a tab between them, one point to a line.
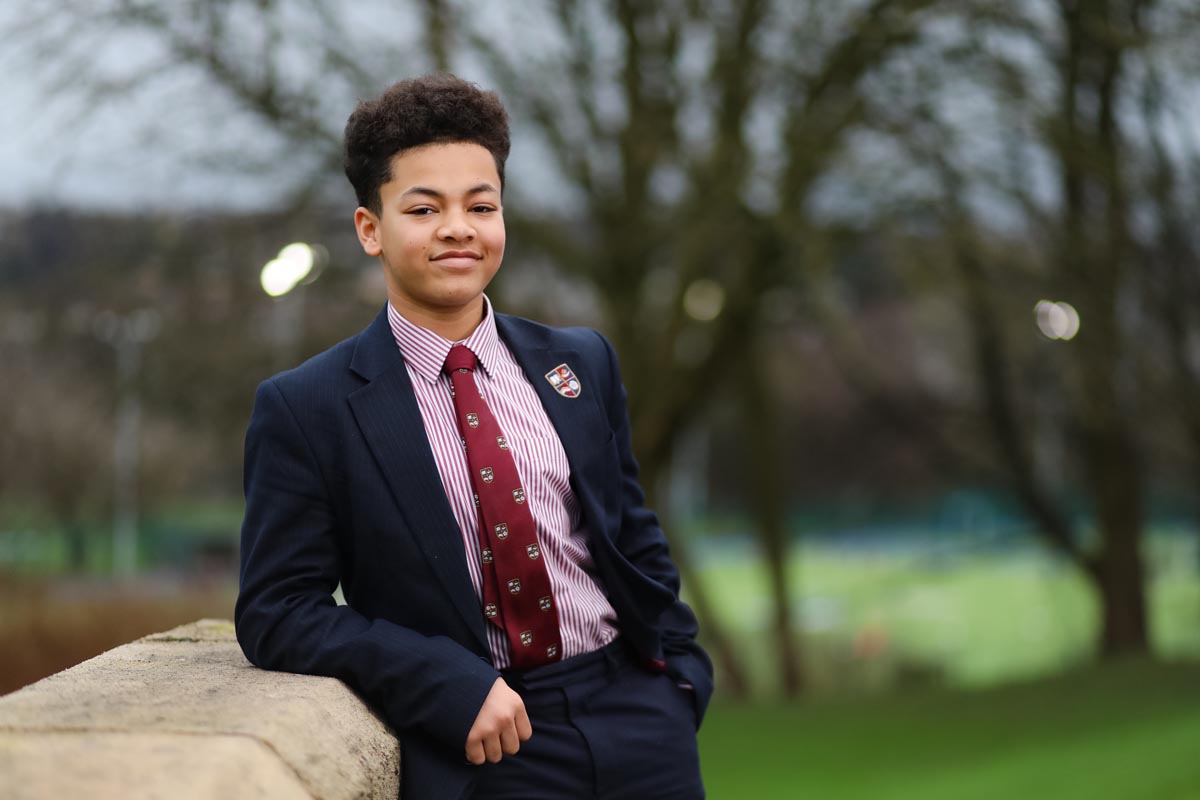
157	143
49	156
170	142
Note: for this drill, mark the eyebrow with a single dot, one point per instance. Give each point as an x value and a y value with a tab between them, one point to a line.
434	193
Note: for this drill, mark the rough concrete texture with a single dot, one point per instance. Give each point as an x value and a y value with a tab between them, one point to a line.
182	714
142	765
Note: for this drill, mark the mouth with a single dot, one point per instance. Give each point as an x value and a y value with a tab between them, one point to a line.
457	258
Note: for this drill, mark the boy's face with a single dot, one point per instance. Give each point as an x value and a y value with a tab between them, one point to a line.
439	233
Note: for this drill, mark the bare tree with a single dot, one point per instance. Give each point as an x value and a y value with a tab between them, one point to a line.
1079	165
693	135
776	92
696	140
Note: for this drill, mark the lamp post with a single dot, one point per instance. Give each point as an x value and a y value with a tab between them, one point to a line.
296	264
127	334
1058	322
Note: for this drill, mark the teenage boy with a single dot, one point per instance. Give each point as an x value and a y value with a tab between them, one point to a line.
466	476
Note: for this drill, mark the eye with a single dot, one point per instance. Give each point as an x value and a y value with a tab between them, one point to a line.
420	211
482	209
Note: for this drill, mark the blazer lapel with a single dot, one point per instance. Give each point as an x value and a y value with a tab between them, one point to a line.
387	414
567	414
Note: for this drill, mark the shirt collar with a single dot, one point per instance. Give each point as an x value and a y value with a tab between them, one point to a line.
426	351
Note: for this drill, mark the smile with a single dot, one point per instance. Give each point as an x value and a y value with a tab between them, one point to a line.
457	255
457	259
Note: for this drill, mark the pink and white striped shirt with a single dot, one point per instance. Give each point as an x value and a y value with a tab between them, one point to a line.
585	617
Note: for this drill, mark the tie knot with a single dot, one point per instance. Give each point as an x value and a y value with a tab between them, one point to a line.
460	357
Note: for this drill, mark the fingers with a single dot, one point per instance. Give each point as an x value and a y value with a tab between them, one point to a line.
475	752
500	726
492	748
509	742
523	725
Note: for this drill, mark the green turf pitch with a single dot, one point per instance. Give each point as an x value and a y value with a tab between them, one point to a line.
976	619
1128	731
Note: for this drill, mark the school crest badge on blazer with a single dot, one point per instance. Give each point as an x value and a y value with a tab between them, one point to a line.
564	381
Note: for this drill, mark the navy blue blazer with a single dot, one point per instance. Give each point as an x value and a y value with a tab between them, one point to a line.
341	486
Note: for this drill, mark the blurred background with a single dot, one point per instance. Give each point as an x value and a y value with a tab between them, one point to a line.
906	294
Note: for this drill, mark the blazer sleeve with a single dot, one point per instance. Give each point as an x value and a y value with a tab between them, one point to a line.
286	617
642	542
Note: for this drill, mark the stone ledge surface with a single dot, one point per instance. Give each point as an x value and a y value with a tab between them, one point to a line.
182	714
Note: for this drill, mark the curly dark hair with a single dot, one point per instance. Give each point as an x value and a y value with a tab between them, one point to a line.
437	108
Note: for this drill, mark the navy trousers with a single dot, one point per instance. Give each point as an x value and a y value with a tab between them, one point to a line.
604	728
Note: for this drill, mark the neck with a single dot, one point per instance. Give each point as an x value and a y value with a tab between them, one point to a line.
454	324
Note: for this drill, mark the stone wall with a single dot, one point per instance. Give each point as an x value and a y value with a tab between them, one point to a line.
183	715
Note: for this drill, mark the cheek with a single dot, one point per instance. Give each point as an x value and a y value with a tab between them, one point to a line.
415	245
496	242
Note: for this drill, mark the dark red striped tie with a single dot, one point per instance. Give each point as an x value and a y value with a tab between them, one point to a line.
516	586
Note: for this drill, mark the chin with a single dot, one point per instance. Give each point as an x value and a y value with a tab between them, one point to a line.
463	289
457	298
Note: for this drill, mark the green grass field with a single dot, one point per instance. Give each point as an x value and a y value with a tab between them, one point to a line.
1126	731
965	620
959	676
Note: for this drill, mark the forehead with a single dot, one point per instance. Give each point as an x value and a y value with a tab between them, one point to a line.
448	168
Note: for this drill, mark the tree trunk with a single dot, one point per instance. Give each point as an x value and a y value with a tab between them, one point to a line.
1117	570
1097	258
1122	590
761	425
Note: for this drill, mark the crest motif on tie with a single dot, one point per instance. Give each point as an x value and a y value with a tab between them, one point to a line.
527	638
519	495
487	556
564	381
544	603
514	586
552	651
503	445
502	531
487	474
490	610
473	420
532	550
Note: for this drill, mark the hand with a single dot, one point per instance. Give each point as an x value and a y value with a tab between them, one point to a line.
500	726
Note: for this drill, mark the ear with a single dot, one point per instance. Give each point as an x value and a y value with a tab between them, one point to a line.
366	225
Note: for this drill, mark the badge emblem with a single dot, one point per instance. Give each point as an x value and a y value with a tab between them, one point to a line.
532	550
514	586
519	495
564	381
473	420
502	531
544	603
503	445
487	556
490	610
487	474
527	638
552	651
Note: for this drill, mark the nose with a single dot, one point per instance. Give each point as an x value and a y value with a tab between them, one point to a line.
456	227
